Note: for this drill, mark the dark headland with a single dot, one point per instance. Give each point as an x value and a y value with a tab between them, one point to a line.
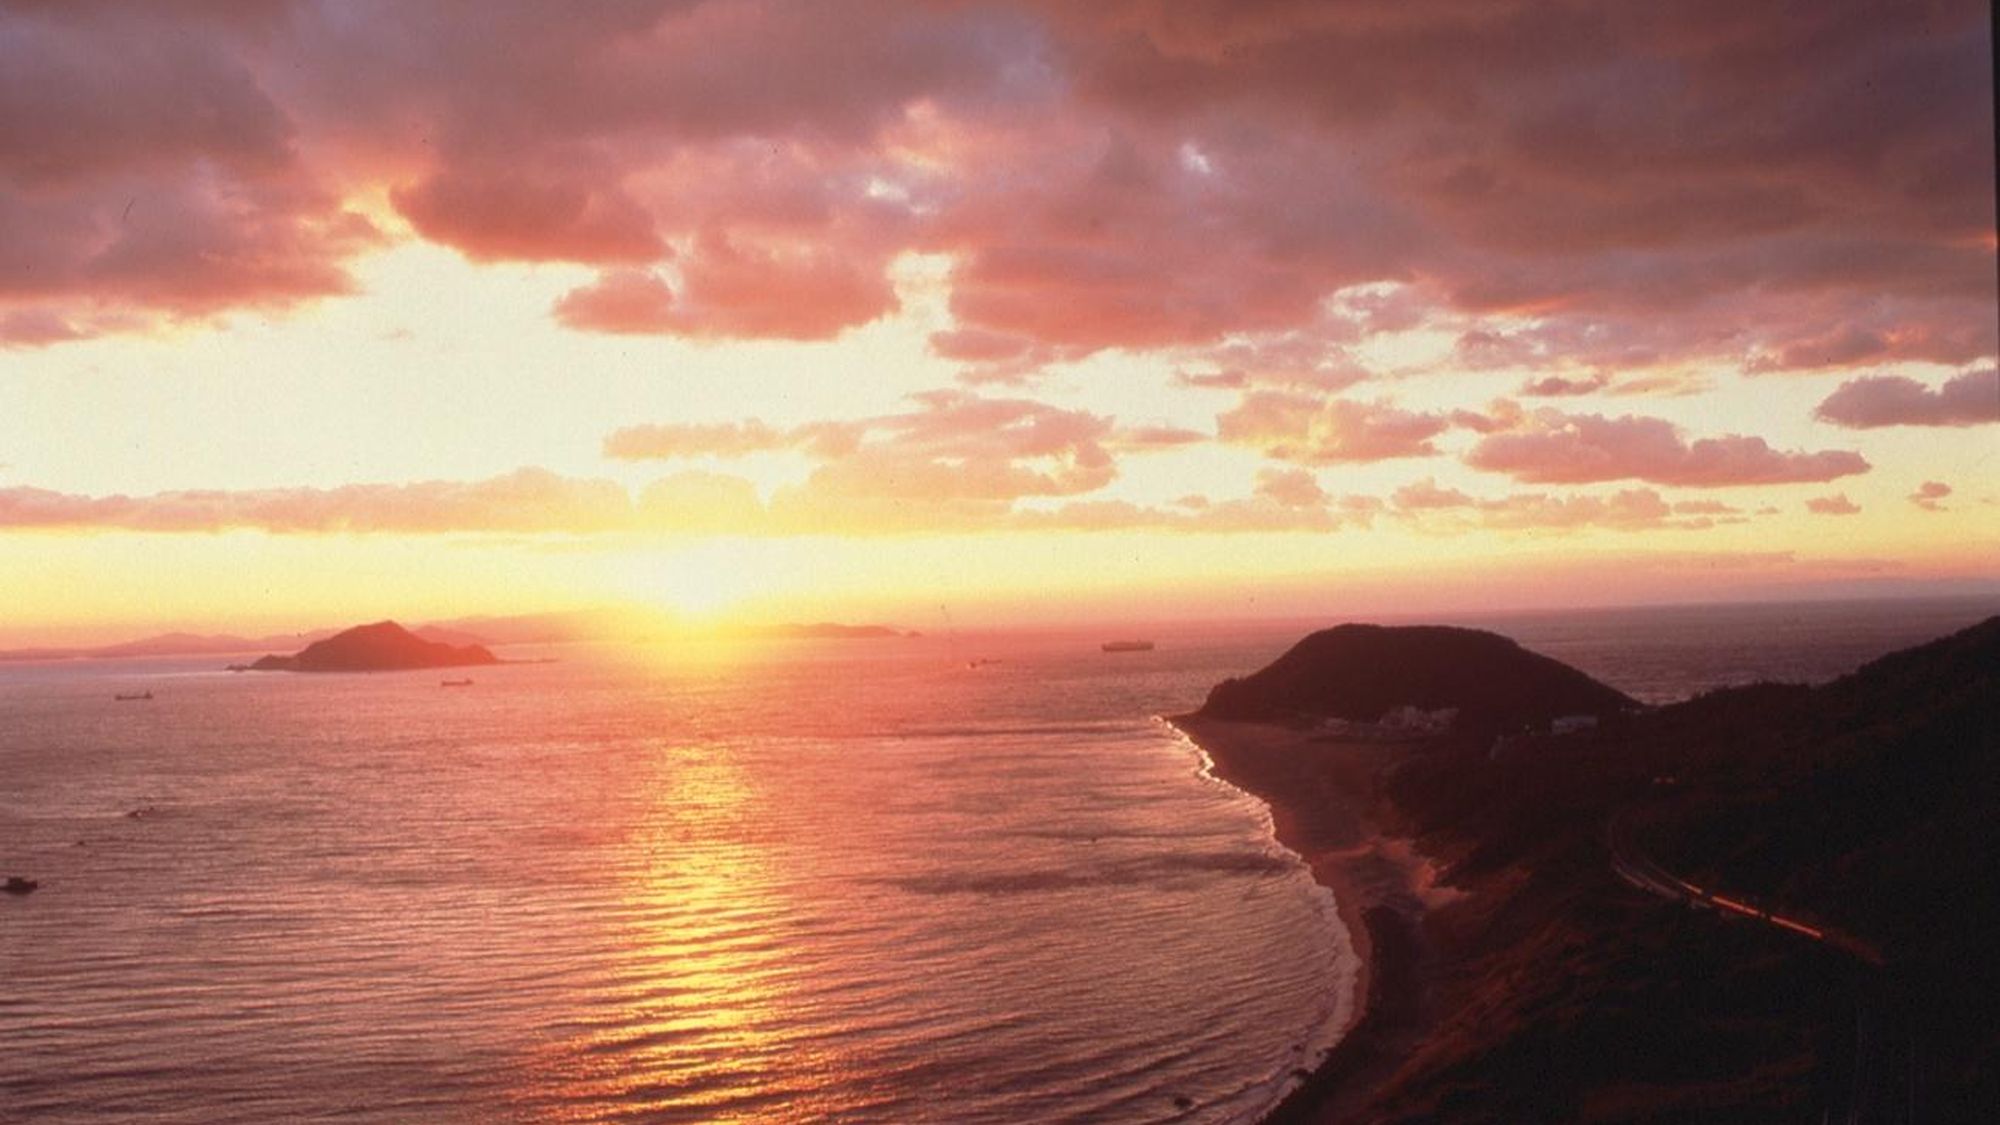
1361	673
382	647
1766	904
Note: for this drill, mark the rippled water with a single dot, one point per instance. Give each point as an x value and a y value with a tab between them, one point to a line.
843	881
1663	654
853	881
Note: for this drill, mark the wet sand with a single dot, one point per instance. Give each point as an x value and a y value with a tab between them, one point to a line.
1326	805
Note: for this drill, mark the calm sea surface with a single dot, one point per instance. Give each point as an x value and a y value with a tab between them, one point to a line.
855	881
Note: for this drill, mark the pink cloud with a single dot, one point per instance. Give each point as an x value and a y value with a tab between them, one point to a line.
1425	495
1482	349
1628	509
628	302
690	502
728	290
952	425
1555	386
145	172
507	212
1283	500
527	500
1971	399
1251	515
1842	347
1295	488
1836	505
1705	508
1500	414
955	460
1551	447
1636	509
1103	233
976	345
1652	182
1321	431
1299	361
1930	495
1214	380
32	328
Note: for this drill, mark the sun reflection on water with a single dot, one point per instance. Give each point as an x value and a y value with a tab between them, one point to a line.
696	1020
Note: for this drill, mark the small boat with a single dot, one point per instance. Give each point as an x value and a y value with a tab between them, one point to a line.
140	697
1127	646
16	885
454	683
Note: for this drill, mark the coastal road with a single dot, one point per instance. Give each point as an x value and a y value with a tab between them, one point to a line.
1882	1074
1640	870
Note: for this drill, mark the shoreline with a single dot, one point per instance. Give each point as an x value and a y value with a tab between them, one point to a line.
1321	795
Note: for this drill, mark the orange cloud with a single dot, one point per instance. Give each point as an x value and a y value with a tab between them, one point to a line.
668	440
695	502
1325	431
1294	488
1139	439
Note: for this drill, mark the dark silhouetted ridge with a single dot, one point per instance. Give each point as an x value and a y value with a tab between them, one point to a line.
1363	672
1864	813
382	647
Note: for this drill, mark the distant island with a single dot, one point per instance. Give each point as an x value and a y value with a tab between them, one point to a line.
165	644
1766	903
833	631
382	647
535	628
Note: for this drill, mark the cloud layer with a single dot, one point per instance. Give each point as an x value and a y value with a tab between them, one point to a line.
1791	187
528	500
692	502
1326	233
1552	447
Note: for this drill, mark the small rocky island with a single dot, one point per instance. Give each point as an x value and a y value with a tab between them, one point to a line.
382	647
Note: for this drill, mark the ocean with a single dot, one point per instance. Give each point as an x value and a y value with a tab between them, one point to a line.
961	878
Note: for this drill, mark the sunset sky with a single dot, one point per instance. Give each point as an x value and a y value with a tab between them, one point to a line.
321	312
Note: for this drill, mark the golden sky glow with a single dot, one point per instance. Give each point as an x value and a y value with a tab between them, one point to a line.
1159	310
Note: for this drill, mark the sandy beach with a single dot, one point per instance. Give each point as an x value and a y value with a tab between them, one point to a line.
1325	802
